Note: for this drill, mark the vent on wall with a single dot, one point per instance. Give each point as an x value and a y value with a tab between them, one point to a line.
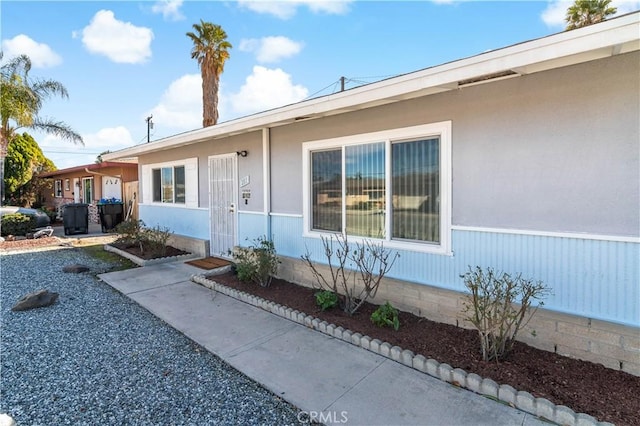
487	77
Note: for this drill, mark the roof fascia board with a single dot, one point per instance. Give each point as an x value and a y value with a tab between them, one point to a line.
562	49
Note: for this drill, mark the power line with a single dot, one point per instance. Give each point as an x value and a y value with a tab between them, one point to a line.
70	152
358	81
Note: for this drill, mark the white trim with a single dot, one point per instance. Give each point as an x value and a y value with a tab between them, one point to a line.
293	215
441	129
172	205
254	213
575	235
190	181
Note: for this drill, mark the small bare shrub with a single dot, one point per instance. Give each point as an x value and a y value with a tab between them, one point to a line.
499	306
370	260
154	240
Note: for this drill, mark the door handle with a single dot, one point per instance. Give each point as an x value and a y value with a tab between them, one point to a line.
232	208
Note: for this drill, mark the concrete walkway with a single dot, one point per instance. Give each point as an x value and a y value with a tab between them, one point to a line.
328	379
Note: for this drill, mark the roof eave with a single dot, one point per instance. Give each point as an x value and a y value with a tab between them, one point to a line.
616	36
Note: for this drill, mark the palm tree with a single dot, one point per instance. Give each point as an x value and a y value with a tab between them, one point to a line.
587	12
211	50
20	102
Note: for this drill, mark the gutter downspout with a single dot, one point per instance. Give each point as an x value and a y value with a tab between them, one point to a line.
266	178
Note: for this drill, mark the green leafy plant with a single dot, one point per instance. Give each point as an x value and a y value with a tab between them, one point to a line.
129	231
258	262
155	240
17	224
498	307
326	299
369	262
386	316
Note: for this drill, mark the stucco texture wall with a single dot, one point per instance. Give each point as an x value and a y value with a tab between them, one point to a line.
556	151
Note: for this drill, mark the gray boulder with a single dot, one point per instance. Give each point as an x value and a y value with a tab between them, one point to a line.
37	299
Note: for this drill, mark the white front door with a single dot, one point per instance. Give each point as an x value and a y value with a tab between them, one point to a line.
223	203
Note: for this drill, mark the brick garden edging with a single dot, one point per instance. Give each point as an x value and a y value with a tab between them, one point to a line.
524	401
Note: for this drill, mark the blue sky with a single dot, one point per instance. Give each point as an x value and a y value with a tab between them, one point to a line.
122	61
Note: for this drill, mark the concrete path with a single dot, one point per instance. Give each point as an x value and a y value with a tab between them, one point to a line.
328	379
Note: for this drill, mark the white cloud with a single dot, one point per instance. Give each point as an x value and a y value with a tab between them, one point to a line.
65	155
287	9
170	9
120	41
266	89
556	11
271	49
41	55
180	107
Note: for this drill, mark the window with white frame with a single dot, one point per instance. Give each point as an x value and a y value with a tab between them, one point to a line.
67	185
87	189
57	188
391	185
168	185
172	183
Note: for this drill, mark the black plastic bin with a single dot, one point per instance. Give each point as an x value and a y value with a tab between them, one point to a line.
75	217
110	215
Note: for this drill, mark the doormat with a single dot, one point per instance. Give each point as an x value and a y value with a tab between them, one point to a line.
209	263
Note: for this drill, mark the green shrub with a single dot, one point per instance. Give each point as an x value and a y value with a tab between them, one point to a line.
53	215
17	224
258	263
498	307
326	299
386	316
153	240
129	231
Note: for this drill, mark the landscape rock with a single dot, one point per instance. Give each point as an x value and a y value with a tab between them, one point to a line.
6	420
75	268
37	299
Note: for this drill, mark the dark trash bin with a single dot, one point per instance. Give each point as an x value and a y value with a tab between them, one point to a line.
75	217
110	215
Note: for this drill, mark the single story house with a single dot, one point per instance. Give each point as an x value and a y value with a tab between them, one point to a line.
524	159
90	183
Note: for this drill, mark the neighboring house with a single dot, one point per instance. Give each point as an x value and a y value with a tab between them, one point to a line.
92	182
524	159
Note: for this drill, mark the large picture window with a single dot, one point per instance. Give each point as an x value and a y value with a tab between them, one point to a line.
392	186
168	185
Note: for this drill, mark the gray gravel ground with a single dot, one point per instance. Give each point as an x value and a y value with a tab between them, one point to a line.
97	358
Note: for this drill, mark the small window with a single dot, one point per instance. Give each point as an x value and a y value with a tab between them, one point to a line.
67	185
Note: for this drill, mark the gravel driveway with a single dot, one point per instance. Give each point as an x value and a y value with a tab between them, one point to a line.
95	357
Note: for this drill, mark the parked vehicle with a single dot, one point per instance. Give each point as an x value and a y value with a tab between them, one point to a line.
42	219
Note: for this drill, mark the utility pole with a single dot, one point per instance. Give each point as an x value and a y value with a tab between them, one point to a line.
149	126
342	79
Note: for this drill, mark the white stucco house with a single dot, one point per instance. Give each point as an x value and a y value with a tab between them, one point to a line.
524	159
